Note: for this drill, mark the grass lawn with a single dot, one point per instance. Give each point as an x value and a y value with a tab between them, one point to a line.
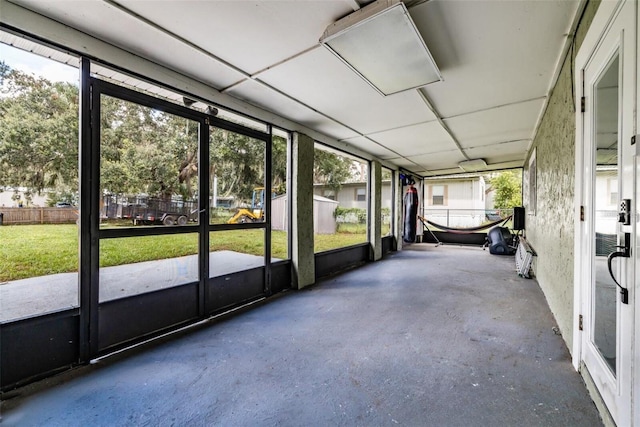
325	242
38	250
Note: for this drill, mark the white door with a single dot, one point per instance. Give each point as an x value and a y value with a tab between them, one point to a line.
605	179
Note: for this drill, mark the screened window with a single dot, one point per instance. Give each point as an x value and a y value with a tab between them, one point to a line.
236	177
39	197
341	220
279	200
438	195
148	166
149	177
387	201
237	173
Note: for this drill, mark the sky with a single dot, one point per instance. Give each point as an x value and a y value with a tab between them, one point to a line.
40	66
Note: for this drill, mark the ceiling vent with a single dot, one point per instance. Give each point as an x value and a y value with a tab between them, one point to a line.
475	165
382	45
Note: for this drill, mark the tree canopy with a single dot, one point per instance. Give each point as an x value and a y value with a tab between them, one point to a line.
38	133
142	151
508	189
333	170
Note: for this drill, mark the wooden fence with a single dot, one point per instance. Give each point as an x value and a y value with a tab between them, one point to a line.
13	216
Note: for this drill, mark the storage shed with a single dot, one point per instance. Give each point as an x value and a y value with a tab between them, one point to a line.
324	221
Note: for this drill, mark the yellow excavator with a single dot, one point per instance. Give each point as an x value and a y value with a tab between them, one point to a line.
255	214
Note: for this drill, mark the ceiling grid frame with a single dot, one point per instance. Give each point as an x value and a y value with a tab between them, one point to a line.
246	75
556	41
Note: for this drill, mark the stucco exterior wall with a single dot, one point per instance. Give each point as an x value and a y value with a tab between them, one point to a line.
302	254
550	228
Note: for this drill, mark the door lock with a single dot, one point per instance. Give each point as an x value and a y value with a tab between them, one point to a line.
624	215
624	253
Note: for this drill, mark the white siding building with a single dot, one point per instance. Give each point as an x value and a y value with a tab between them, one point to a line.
7	198
324	221
353	194
455	202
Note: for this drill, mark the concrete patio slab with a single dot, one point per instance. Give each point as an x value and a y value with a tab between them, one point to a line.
45	294
430	336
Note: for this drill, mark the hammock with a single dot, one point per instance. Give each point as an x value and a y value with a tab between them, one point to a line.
468	230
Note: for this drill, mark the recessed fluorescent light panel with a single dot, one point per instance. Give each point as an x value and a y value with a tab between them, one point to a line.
382	45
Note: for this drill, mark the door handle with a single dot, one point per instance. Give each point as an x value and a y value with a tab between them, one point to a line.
624	253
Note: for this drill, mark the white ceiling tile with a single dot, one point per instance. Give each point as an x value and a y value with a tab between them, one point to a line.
263	97
497	60
252	35
99	19
369	146
416	139
507	123
406	164
321	80
505	165
447	171
492	53
432	161
498	153
441	160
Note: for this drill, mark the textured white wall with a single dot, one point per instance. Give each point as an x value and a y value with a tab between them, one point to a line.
550	231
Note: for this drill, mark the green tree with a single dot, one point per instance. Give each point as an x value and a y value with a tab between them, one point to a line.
237	162
38	133
142	150
331	169
145	151
279	165
508	189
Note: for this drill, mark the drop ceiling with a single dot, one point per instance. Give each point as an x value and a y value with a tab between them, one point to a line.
498	60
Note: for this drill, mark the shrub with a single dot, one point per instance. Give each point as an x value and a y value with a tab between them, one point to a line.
350	215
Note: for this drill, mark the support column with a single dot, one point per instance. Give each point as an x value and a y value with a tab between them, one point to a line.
302	255
398	222
375	207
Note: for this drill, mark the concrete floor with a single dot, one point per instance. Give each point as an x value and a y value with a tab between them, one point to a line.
430	336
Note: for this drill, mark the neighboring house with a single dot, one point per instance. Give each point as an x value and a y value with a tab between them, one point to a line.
460	192
353	194
10	199
456	201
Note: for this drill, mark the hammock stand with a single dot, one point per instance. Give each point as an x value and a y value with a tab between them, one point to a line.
459	230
